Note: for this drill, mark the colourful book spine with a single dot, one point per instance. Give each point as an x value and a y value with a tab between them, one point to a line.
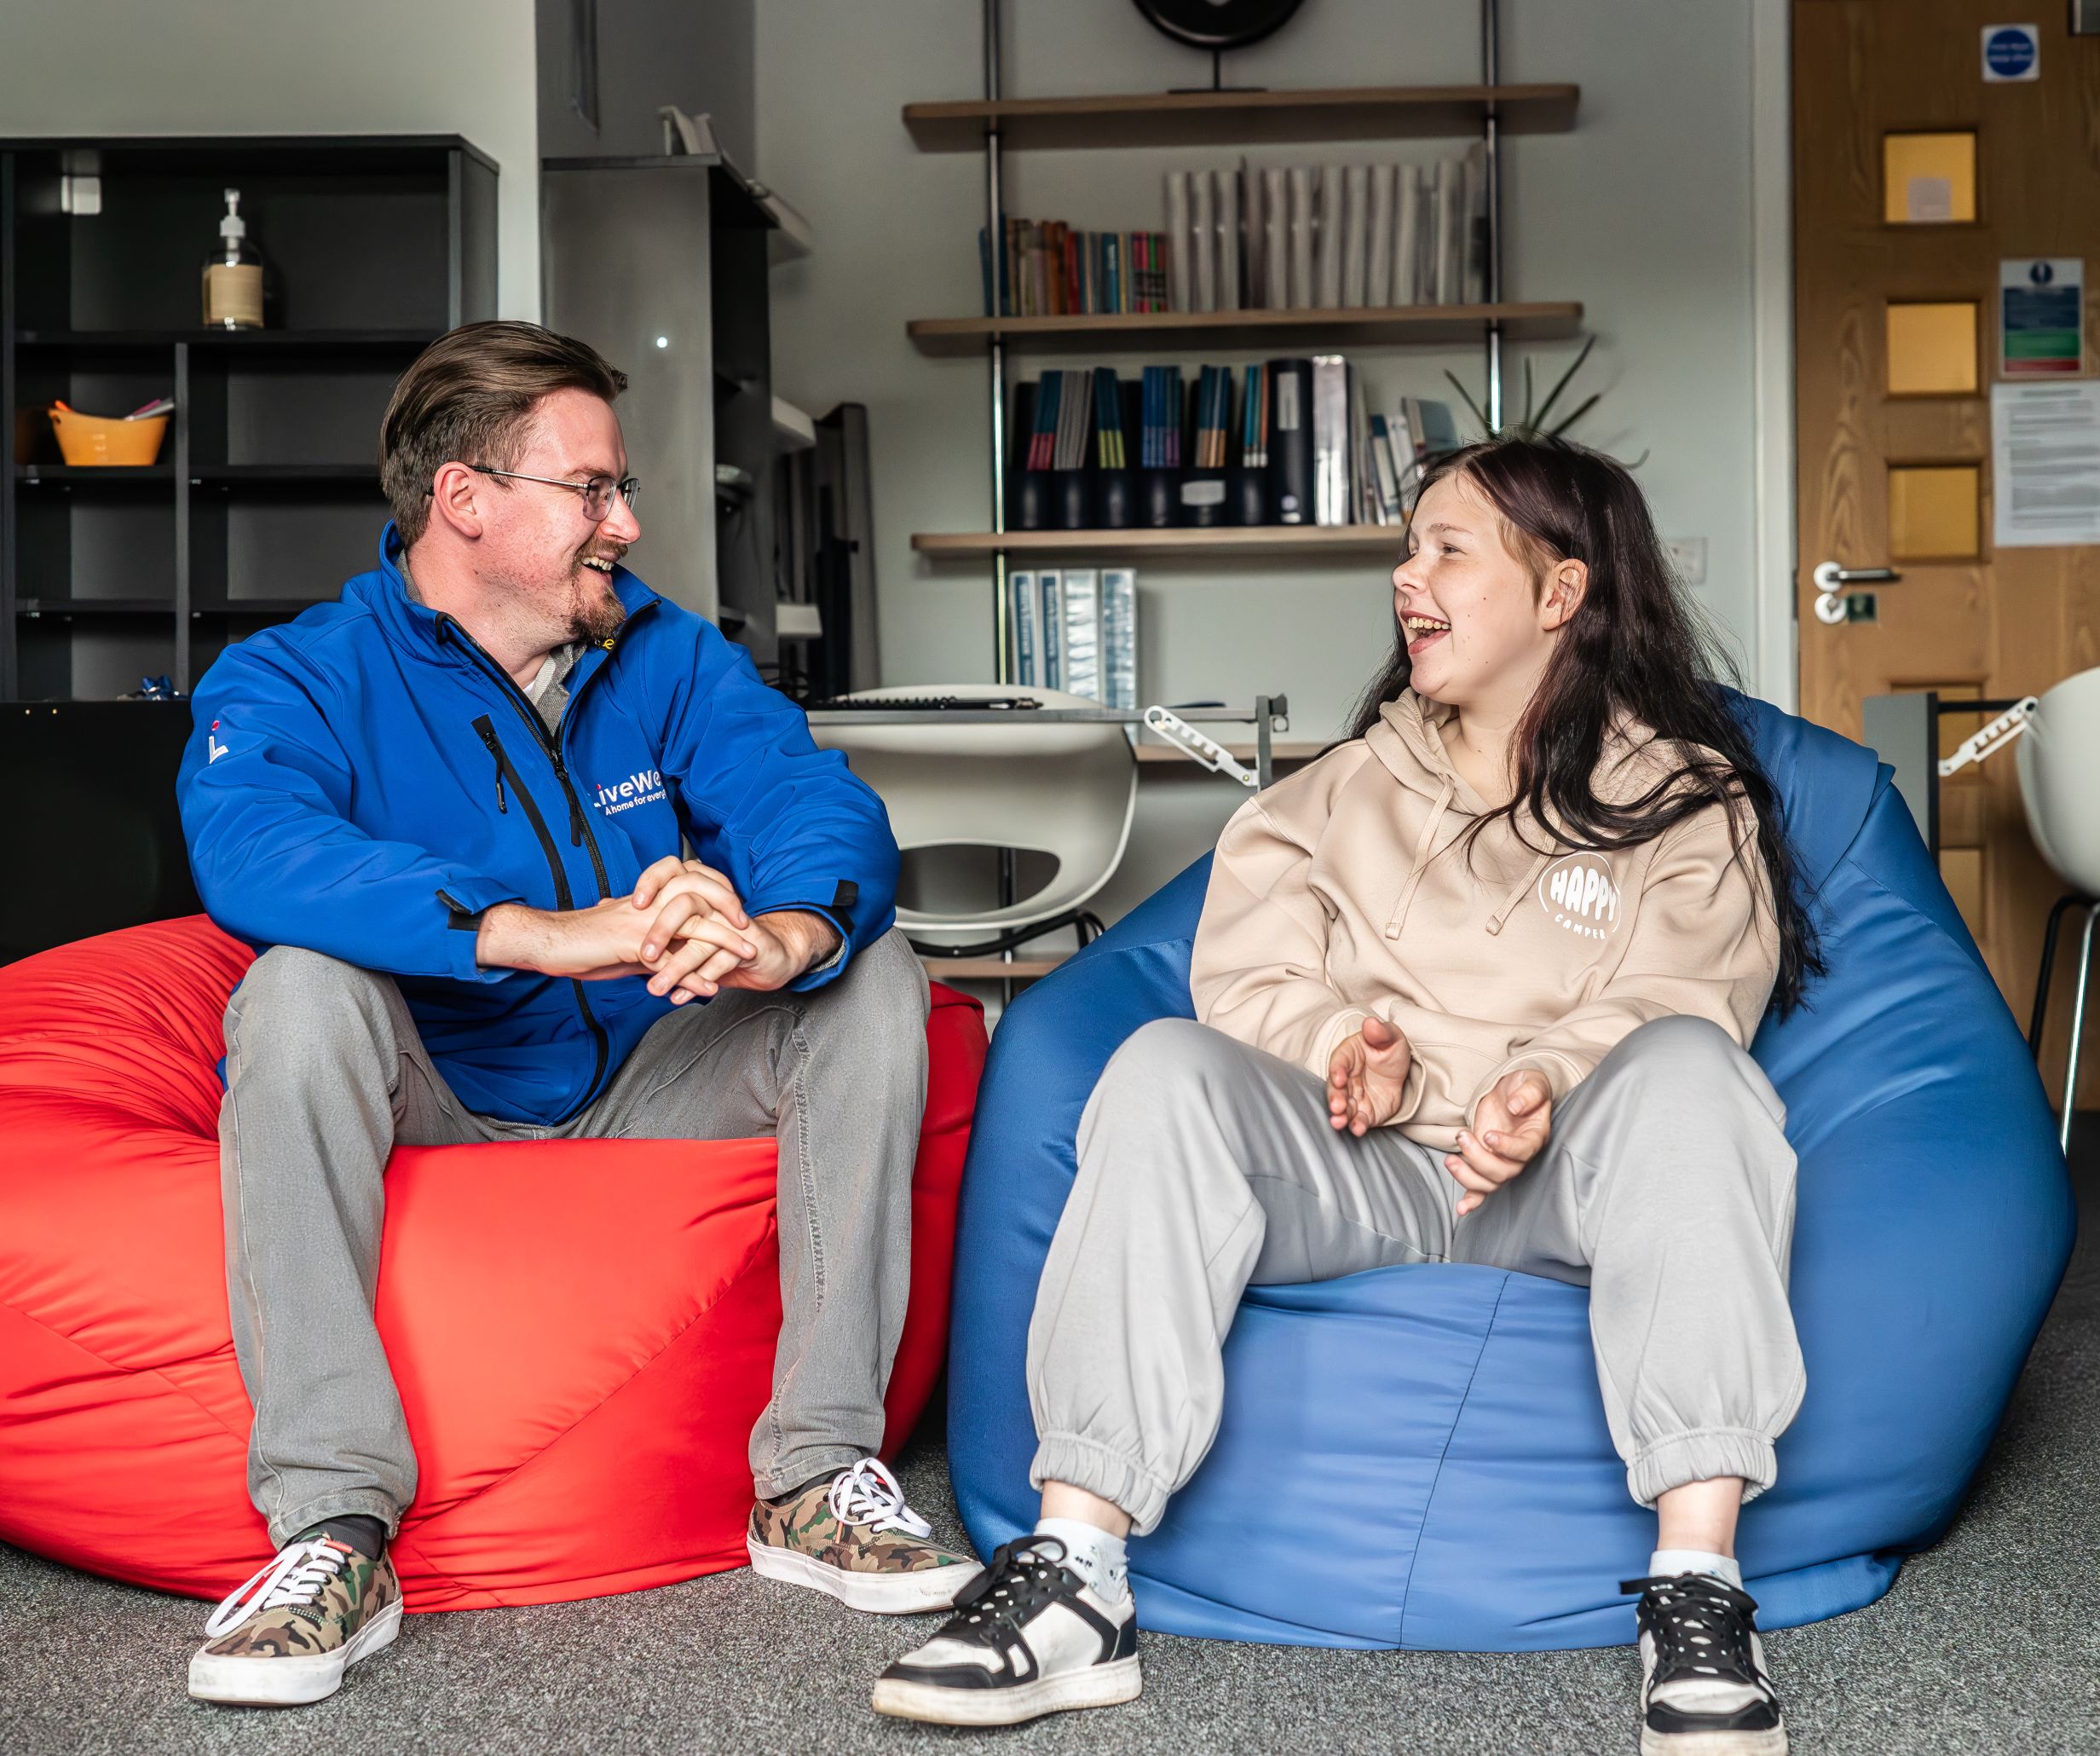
1108	416
1022	584
1050	601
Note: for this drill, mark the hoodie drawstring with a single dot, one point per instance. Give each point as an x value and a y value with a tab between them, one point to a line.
1446	791
1523	884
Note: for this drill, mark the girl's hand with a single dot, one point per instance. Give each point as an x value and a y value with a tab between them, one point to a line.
1513	1120
1366	1076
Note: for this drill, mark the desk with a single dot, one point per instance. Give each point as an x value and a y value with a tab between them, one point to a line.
1270	714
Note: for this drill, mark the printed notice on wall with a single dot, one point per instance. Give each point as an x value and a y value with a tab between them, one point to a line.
2041	317
2046	463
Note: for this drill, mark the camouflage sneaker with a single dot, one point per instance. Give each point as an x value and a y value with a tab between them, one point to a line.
854	1537
287	1635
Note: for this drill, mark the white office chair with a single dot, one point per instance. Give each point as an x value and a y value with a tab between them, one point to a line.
2057	758
1066	790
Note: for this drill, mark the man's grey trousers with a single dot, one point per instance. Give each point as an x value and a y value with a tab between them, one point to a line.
1666	1186
325	1073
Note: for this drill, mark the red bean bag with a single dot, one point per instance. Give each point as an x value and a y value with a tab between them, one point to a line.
582	1330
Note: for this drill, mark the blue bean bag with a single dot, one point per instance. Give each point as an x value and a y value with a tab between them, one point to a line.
1416	1457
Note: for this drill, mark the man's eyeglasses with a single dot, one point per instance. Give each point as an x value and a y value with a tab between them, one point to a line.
598	492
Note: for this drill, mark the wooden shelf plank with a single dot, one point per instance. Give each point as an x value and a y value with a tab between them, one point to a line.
1377	325
1219	542
1241	117
991	969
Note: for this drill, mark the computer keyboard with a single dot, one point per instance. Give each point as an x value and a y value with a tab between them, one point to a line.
921	703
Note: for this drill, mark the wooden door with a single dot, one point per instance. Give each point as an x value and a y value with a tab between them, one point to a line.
1913	177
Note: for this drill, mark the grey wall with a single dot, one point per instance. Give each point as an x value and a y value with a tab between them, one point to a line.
260	67
1643	213
695	54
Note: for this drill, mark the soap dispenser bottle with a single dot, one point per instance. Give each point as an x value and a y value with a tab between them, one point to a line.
233	274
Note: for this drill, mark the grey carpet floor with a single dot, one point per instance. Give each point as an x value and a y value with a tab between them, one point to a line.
1988	1643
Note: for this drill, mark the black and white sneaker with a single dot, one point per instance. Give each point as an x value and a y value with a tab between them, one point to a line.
1704	1692
1029	1636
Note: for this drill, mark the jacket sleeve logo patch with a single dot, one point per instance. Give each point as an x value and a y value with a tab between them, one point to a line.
643	787
1578	894
213	748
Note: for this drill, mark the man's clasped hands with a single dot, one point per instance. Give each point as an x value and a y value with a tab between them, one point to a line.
684	927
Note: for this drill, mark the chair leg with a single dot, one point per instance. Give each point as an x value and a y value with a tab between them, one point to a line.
2078	1028
2069	899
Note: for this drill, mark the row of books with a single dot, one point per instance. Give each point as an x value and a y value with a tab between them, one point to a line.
1047	269
1334	237
1368	463
1330	456
1076	628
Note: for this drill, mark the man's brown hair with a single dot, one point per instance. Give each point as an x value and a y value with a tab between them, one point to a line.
469	398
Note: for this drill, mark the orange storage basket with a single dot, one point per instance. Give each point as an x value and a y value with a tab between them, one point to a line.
85	439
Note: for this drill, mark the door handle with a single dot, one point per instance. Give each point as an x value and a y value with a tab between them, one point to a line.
1829	576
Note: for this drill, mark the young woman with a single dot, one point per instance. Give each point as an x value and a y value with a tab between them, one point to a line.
1475	986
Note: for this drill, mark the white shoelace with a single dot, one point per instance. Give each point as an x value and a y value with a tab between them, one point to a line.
868	1493
296	1577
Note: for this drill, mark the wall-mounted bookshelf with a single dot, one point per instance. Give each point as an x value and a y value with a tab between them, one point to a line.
1218	540
1186	118
265	496
997	124
1386	326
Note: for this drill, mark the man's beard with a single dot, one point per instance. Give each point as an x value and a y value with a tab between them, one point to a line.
597	613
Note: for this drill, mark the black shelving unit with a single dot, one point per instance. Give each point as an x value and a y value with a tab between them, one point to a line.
265	496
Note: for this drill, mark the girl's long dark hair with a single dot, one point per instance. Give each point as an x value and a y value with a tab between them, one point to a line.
1633	646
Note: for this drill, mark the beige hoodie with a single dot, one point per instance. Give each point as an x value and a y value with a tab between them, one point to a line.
1343	892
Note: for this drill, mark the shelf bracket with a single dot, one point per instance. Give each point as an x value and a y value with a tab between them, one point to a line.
1207	752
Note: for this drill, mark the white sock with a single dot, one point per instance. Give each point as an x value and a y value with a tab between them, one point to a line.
1695	1694
1664	1562
1101	1560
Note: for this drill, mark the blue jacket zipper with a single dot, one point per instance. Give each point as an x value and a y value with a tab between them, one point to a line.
562	897
578	827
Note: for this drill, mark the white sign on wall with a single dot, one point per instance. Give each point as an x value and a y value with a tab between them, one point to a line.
2046	463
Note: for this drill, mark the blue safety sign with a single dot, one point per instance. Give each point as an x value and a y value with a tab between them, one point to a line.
2011	52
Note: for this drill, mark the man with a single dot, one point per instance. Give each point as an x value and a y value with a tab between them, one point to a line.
451	805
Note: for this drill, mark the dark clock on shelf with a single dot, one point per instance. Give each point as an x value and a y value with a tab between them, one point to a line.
1218	24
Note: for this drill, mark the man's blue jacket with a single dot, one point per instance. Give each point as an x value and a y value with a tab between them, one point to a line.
366	780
